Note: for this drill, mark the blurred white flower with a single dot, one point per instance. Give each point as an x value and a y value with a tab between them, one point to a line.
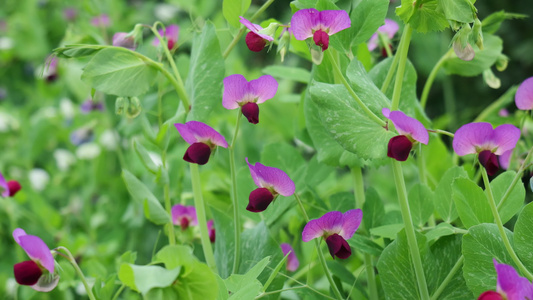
165	12
156	158
108	139
64	159
88	151
6	43
67	108
39	178
8	122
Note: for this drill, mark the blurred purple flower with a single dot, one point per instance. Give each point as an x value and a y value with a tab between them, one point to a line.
100	21
503	112
238	92
171	34
184	216
50	68
81	136
292	260
70	14
509	285
271	182
203	140
254	40
524	95
389	29
9	188
494	146
319	25
335	227
410	130
90	105
211	230
124	39
38	273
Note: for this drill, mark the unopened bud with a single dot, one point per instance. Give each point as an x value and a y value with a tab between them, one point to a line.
501	62
270	30
455	26
120	105
134	108
478	34
491	79
284	43
461	47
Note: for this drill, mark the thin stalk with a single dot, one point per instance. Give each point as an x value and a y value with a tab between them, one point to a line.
202	220
410	229
236	214
73	262
431	78
119	291
515	179
168	207
307	285
497	219
385	44
442	132
340	76
241	32
402	53
421	165
448	278
320	254
390	73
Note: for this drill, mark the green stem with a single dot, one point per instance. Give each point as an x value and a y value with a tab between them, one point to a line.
340	76
320	254
236	215
168	208
119	291
241	32
390	73
448	278
202	220
73	262
410	229
439	131
421	165
515	179
431	78
385	44
402	53
497	219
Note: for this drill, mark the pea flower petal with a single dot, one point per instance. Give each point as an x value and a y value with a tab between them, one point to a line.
292	260
524	95
255	28
389	29
4	186
407	126
35	248
184	216
510	285
211	230
171	34
305	22
475	137
271	178
194	132
124	39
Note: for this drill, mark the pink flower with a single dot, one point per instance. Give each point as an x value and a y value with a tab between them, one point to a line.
494	146
319	25
410	130
124	39
254	40
335	227
524	95
100	21
50	69
90	105
10	188
184	216
238	92
509	285
171	34
211	230
271	182
203	140
389	29
292	260
38	273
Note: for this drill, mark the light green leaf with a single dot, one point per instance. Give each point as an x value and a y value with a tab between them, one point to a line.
387	231
232	9
458	10
119	72
257	244
516	198
373	208
144	157
250	291
421	204
423	17
224	243
523	236
492	22
364	244
290	73
161	294
222	290
442	229
471	203
77	50
444	203
199	284
237	281
145	278
483	59
174	256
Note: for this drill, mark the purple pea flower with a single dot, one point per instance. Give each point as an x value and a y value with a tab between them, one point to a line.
100	21
38	272
81	136
203	140
50	69
124	39
509	285
319	25
184	216
90	105
524	95
410	130
70	14
271	182
211	230
494	146
171	34
254	40
9	188
238	92
335	227
292	260
389	29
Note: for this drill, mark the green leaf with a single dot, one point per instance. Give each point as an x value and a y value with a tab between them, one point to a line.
223	293
444	203
364	244
199	284
492	22
206	73
523	236
373	208
224	243
471	203
483	60
423	16
421	204
77	50
257	244
147	162
387	231
458	10
154	211
119	72
516	198
442	229
481	245
161	294
237	281
289	73
250	291
232	9
174	256
145	278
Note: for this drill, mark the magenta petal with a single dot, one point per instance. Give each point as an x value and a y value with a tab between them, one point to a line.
121	39
390	28
490	295
334	20
255	28
511	284
194	131
524	95
321	39
338	246
303	23
505	138
471	136
292	260
386	112
351	221
372	42
255	177
191	211
399	148
255	42
235	89
406	125
259	200
197	153
4	186
251	111
329	223
17	233
180	212
270	177
505	158
13	187
172	33
211	230
489	160
27	272
37	250
263	88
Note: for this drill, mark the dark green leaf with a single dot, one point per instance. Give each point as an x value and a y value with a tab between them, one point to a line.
523	236
516	198
421	204
458	10
471	203
364	244
444	204
422	16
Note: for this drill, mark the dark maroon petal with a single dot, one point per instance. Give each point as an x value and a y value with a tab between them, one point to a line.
489	160
338	246
251	111
212	235
490	295
321	39
399	148
197	153
27	272
259	200
184	223
14	187
171	44
254	42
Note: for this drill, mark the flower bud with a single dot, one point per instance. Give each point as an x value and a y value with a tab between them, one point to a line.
134	107
461	47
120	105
270	30
491	80
478	34
284	43
501	62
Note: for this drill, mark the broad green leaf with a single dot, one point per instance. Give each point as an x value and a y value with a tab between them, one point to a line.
471	203
77	50
458	10
483	60
206	73
387	231
161	294
119	72
316	172
199	284
290	73
238	281
481	245
144	157
422	16
257	244
523	236
444	204
232	9
145	278
339	270
437	158
516	198
250	291
492	22
373	208
224	243
421	204
174	256
222	290
154	211
364	244
442	229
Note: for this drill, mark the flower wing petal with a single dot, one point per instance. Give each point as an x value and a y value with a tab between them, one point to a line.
302	23
17	233
330	223
292	260
470	136
172	32
191	213
505	138
205	132
505	158
524	95
390	28
37	250
510	283
409	126
177	212
264	88
235	88
275	178
334	20
3	185
255	176
351	221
